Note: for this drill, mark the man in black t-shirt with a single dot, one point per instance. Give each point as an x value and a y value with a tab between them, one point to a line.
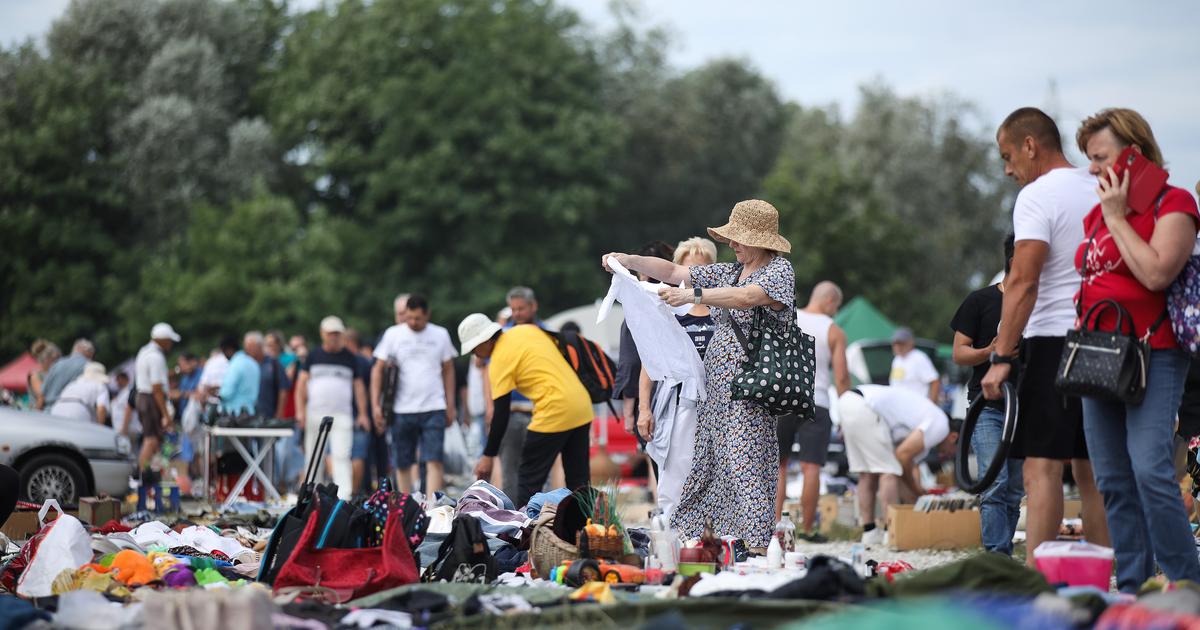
331	384
975	325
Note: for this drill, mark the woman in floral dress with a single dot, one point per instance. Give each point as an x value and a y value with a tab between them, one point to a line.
736	460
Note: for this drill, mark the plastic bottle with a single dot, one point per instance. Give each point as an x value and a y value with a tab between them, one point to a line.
774	554
785	533
664	542
790	539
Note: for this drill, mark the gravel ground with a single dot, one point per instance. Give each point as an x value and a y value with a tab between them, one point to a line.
918	558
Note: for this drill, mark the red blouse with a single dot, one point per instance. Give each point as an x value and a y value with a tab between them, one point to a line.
1106	276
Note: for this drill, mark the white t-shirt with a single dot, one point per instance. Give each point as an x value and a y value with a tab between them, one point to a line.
476	403
420	356
1051	209
913	372
214	371
331	381
120	403
905	412
818	325
150	369
79	400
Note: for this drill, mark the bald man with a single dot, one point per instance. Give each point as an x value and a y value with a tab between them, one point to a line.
815	319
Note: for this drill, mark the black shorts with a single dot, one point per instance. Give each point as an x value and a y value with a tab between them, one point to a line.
1050	425
812	436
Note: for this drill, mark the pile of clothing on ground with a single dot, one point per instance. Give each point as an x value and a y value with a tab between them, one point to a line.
399	561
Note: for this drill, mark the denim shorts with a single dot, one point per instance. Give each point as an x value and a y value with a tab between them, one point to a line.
362	439
426	430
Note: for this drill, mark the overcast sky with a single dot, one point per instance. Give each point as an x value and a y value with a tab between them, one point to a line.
999	55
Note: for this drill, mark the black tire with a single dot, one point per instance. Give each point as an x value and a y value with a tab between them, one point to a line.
582	571
53	476
962	470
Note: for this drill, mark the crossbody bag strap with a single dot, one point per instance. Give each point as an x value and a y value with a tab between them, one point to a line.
1162	317
737	330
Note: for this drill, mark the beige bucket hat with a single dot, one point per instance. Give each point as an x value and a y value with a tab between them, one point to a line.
753	222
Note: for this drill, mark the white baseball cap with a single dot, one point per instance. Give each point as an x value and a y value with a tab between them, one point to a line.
333	324
476	329
163	330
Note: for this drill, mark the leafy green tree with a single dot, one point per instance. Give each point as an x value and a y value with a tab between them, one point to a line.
466	142
695	143
133	111
880	203
219	278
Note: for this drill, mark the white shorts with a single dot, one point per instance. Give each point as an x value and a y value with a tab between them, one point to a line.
868	439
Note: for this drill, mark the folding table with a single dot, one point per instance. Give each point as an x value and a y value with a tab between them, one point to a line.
253	461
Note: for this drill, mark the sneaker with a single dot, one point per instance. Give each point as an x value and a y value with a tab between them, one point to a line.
813	537
873	537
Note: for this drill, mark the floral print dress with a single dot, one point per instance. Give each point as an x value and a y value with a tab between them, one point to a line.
736	459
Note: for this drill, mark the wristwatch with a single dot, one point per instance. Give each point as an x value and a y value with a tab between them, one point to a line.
698	294
998	359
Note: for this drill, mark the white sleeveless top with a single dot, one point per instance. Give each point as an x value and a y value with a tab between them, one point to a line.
817	325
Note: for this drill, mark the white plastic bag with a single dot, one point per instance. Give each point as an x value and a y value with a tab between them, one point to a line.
454	451
62	544
191	418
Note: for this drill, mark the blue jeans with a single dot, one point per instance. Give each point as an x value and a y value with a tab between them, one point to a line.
289	459
360	445
1001	506
1131	450
412	430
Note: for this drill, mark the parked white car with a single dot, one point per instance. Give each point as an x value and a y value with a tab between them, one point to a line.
61	458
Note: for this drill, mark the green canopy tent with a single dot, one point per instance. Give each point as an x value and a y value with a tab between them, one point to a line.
861	320
869	335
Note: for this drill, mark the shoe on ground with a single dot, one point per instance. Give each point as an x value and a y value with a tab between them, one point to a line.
873	537
813	537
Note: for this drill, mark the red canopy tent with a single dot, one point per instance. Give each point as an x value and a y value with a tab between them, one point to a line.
15	376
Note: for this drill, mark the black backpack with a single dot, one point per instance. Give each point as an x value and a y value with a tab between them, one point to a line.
593	367
464	555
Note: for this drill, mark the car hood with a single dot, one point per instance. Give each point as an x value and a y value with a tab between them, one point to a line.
21	430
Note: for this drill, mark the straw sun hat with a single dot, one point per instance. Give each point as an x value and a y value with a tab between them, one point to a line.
754	223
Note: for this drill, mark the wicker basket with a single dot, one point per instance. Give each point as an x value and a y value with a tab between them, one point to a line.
604	547
546	549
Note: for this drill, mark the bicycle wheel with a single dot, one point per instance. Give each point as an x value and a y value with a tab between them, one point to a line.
962	463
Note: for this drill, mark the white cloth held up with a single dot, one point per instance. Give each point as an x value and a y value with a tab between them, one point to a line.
667	353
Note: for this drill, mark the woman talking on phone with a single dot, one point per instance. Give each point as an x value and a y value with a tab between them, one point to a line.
1132	255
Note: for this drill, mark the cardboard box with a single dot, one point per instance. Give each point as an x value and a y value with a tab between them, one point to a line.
827	512
1072	508
97	511
932	530
24	523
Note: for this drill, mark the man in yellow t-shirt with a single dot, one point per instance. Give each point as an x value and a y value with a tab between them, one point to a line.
527	359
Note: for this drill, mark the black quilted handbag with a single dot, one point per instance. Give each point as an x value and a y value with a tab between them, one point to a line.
1110	365
781	363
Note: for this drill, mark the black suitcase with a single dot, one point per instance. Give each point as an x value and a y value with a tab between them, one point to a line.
312	497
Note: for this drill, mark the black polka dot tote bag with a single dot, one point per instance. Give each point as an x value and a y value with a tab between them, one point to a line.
781	363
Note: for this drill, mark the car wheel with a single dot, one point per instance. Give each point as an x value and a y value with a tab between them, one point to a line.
612	577
52	477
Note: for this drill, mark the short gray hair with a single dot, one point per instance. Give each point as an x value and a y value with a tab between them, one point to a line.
521	293
253	337
84	346
403	297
